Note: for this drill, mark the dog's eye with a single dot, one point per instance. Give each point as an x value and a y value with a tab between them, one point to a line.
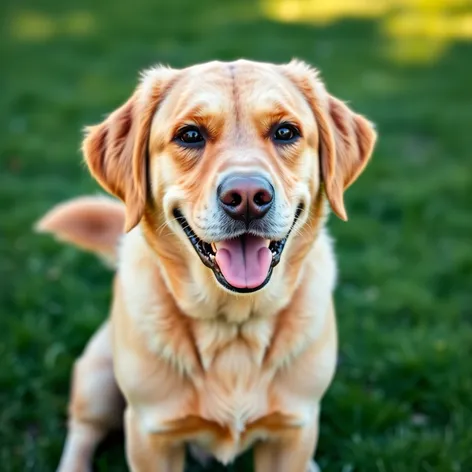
286	133
190	136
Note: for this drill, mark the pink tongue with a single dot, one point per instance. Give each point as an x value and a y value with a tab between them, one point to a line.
244	264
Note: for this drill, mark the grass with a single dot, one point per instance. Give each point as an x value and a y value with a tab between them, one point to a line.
402	397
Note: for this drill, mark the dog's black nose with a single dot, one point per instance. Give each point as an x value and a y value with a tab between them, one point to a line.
245	197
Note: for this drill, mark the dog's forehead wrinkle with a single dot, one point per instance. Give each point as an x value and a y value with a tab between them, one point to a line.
200	104
256	89
238	135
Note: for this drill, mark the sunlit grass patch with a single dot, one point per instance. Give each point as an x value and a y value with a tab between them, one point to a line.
36	26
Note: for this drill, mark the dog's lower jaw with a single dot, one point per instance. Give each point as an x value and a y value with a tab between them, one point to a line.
216	302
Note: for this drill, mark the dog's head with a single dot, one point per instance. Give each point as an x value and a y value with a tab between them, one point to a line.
232	158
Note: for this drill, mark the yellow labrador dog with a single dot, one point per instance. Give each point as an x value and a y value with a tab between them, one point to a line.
222	330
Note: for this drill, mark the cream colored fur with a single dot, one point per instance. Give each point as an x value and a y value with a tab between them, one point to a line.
192	362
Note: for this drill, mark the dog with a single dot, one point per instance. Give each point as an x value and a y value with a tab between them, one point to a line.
222	331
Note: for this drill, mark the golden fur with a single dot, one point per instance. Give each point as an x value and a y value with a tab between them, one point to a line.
195	362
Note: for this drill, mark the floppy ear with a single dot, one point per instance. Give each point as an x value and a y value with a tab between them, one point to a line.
116	149
346	139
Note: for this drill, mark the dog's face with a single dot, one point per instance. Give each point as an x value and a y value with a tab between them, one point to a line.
233	167
231	158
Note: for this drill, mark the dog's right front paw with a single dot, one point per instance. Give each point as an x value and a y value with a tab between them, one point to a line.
313	467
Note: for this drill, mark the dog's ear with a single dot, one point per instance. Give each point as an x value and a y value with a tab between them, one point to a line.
116	149
346	139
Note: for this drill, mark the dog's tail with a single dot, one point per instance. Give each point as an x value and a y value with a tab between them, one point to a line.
93	223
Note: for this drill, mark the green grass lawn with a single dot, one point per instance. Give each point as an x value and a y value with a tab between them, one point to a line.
402	397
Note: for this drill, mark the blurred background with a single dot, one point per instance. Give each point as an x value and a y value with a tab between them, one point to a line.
402	398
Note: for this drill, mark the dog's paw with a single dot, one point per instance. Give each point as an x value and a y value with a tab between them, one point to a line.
313	467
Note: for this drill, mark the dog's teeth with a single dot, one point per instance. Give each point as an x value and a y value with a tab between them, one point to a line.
213	246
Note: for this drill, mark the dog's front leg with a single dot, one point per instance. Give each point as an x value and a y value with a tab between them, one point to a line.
151	452
96	404
292	451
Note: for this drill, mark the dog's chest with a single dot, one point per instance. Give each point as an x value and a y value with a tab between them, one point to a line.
234	394
235	388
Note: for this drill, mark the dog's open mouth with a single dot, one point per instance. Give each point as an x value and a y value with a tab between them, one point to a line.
243	264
